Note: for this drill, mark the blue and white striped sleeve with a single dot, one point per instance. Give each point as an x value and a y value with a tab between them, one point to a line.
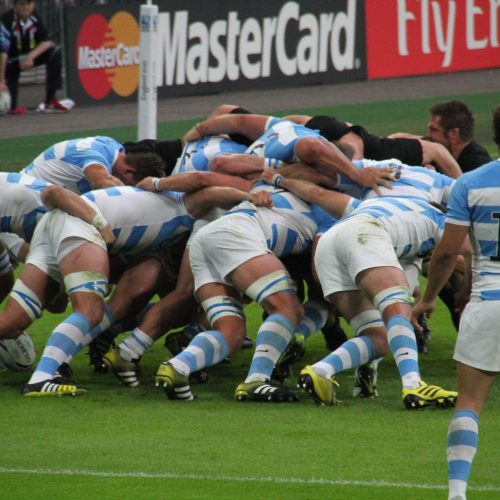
458	206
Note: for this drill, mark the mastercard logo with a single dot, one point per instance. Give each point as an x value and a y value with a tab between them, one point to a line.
108	55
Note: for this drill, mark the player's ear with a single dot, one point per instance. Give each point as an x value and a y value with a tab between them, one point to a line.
454	133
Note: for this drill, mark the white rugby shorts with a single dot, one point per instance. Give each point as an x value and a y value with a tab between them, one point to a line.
223	245
56	235
349	247
478	341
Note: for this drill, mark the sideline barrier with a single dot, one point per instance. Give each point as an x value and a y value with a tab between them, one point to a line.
239	45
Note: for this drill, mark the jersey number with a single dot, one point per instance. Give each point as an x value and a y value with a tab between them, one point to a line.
496	258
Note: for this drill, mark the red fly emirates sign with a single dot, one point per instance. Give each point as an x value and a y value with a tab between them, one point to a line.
410	37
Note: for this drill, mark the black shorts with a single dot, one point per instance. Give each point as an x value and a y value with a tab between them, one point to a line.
409	151
328	126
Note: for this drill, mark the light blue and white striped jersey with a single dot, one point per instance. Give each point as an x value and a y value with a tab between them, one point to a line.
20	204
141	220
475	202
323	219
64	163
414	182
289	226
279	139
413	225
196	155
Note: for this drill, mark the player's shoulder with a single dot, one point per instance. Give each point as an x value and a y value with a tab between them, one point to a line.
487	175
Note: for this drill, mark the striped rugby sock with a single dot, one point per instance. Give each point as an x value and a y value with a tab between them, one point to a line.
63	343
461	448
273	336
351	354
206	349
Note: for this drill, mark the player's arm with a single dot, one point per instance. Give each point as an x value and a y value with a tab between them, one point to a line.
453	242
331	201
199	203
403	135
193	181
433	152
251	126
58	197
237	164
305	172
99	177
331	161
300	119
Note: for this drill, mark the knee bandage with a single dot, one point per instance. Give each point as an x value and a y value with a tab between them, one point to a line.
27	299
222	305
393	295
86	281
5	266
275	282
366	319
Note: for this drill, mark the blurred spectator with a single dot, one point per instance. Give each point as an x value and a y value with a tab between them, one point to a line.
27	44
4	48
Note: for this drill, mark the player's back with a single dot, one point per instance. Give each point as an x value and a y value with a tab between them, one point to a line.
475	202
289	226
412	181
279	139
196	155
141	220
21	206
414	225
64	163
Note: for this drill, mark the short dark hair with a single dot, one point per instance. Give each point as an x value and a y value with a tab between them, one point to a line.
169	150
455	114
145	165
496	126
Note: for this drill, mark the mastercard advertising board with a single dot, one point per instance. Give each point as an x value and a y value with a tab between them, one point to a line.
103	54
206	47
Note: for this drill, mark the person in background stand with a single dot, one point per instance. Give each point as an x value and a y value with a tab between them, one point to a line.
4	48
28	45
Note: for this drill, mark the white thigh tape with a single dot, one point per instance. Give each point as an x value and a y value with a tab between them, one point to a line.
275	282
86	281
393	295
27	299
366	319
222	305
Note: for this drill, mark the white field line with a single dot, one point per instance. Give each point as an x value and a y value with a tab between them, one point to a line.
244	479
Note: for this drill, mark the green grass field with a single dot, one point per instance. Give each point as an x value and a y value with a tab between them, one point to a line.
126	443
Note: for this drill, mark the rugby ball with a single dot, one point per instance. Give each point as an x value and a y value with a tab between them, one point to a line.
4	102
17	355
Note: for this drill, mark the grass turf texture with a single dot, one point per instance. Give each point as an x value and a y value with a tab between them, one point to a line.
379	118
133	443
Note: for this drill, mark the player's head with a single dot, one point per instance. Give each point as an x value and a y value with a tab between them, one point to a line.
496	126
169	150
131	168
450	121
24	8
